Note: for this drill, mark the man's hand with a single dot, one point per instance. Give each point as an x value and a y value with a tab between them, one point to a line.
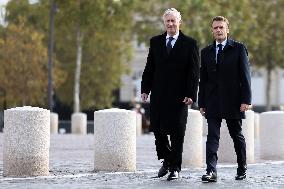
144	97
202	111
187	101
244	107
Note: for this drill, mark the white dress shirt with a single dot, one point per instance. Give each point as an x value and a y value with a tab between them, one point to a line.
217	48
174	40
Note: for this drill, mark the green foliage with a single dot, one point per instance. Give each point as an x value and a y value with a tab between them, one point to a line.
268	32
23	69
108	26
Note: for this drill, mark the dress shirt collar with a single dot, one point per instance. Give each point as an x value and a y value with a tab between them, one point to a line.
223	44
175	36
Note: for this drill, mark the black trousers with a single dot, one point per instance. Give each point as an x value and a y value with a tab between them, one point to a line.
212	143
170	151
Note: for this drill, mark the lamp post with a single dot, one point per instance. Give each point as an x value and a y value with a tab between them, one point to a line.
50	53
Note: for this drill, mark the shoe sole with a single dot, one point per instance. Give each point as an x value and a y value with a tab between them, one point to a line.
241	178
159	176
208	180
169	179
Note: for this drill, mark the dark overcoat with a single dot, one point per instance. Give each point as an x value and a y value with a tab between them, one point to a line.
224	86
170	77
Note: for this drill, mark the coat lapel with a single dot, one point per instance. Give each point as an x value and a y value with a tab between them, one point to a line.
163	46
212	53
178	43
229	44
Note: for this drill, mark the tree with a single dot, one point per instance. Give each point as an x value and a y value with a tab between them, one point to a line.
105	40
31	19
23	68
88	18
269	27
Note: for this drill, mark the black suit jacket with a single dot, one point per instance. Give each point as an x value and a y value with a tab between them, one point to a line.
170	78
225	86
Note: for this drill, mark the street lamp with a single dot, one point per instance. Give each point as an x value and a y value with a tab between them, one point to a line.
50	52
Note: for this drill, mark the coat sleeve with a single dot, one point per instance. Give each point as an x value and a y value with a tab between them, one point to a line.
202	82
148	73
245	77
193	75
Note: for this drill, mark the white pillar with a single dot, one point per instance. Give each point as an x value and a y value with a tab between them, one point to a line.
79	123
138	124
204	126
53	123
226	152
114	140
271	136
192	148
26	142
256	125
248	131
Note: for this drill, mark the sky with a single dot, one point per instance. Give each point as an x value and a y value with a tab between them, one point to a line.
2	10
3	2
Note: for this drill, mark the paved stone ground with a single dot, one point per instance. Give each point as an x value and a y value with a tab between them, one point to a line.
71	164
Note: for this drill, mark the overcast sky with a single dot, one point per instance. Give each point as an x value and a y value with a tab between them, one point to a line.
3	2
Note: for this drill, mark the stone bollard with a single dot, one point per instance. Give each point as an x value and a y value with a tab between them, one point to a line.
138	124
256	125
204	126
53	123
114	140
192	148
226	152
79	123
26	142
271	138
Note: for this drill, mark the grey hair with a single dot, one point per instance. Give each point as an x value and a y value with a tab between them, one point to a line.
174	12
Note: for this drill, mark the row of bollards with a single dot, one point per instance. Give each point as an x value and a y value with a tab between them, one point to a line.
27	140
79	123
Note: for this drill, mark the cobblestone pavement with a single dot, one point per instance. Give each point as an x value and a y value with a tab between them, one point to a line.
71	164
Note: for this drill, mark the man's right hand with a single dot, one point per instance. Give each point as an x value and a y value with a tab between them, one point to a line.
202	111
144	97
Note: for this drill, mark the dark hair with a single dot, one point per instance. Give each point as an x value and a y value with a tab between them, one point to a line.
221	18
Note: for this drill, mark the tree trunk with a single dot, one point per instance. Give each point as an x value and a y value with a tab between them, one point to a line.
268	86
78	72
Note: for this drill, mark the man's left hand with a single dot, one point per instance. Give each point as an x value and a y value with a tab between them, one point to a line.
244	107
187	101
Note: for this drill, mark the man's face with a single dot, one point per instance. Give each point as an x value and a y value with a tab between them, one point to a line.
171	24
220	30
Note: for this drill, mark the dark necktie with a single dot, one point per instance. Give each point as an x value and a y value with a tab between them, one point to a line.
219	53
169	44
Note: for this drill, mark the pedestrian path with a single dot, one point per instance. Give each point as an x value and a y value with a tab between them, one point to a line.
71	166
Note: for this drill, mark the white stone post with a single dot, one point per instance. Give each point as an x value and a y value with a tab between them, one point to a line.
138	124
204	126
79	123
256	125
226	152
271	136
26	142
114	140
53	123
192	148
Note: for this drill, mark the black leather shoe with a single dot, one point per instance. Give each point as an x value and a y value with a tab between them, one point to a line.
209	177
173	175
164	169
241	173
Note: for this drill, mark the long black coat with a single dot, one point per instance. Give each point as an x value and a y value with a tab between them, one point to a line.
225	86
170	78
